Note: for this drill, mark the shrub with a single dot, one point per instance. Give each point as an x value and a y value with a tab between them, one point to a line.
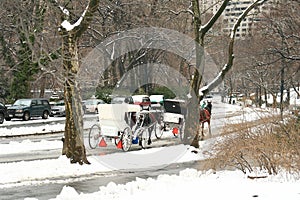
104	94
168	94
270	146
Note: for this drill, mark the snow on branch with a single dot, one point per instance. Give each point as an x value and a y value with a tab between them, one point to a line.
68	26
217	80
220	77
64	10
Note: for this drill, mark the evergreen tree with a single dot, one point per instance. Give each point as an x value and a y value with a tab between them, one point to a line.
24	71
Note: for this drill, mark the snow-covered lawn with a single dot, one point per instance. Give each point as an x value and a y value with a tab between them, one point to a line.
29	146
189	183
16	131
52	124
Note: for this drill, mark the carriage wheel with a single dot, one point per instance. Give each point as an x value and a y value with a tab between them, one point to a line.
94	136
126	139
159	130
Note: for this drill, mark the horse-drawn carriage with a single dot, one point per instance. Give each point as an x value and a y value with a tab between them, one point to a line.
173	117
125	124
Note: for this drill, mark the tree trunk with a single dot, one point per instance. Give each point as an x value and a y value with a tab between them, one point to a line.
281	91
73	143
42	87
266	97
73	146
259	97
193	126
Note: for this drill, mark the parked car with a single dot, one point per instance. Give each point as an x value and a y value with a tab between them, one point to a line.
54	96
58	109
122	99
143	101
91	105
27	108
3	113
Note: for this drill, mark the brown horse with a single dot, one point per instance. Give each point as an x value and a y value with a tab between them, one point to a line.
204	117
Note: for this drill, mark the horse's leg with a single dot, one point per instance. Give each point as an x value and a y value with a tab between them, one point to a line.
202	131
209	129
150	132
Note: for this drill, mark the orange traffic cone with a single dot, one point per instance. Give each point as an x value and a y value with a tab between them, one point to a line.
175	131
102	143
119	145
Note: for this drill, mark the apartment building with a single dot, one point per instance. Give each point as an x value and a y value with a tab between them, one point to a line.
233	10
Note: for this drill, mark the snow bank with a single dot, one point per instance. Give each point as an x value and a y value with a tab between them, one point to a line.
31	130
190	184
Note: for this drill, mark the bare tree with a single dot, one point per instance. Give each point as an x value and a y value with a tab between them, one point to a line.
25	52
200	32
283	28
73	146
274	55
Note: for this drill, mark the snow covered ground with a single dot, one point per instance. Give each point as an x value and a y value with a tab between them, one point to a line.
193	184
189	183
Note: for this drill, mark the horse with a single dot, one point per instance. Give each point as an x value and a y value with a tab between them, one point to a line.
205	115
147	120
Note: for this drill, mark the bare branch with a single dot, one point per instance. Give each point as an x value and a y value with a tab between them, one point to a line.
181	11
63	9
229	63
216	16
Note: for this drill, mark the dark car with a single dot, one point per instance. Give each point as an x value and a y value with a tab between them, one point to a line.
3	113
27	108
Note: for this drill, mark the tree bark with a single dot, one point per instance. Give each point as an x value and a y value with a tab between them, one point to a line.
192	123
73	146
73	143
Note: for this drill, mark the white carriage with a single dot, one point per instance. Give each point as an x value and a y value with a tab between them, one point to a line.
125	124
